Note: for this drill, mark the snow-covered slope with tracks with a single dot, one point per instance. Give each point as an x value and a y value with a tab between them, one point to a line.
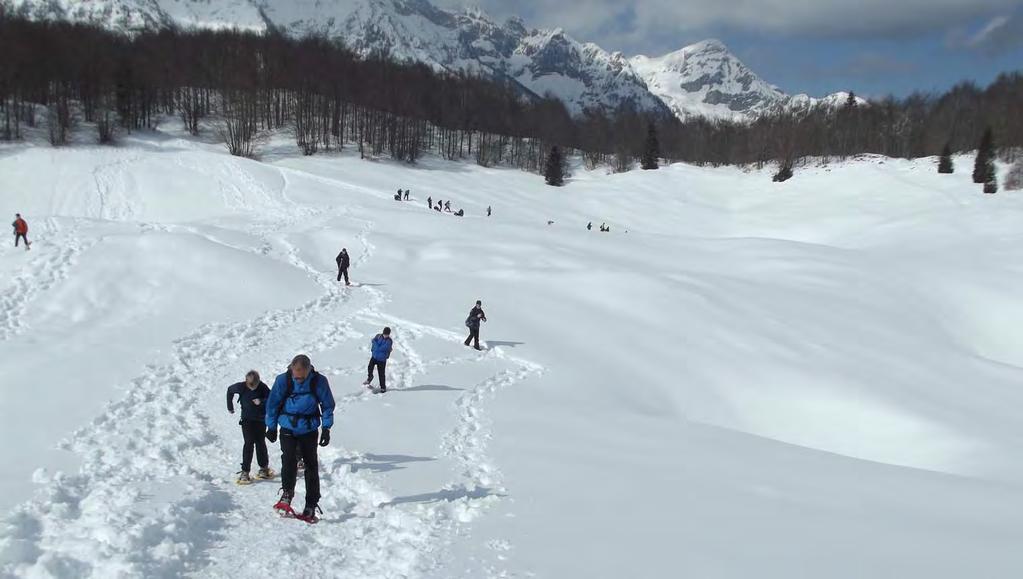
743	379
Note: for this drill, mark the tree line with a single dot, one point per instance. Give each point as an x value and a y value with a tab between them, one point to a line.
920	125
245	84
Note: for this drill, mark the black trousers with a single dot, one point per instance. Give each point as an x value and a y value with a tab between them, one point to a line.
342	273
18	237
474	334
254	434
293	447
381	367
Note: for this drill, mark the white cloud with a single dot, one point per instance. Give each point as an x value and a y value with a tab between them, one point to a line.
1001	34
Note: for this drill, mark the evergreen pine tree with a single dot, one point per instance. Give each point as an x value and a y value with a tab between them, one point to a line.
984	168
554	172
945	166
652	149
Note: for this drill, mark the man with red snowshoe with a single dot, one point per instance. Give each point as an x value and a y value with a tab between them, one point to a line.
302	404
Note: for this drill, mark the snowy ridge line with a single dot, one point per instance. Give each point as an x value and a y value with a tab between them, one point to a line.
47	266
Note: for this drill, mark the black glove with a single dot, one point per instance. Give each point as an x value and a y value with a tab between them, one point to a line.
325	437
271	435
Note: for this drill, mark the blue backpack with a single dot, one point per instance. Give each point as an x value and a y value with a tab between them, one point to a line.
289	387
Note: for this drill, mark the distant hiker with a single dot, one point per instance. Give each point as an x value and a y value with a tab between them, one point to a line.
397	196
252	396
436	207
604	228
589	226
472	322
550	222
488	211
20	231
342	265
447	206
380	351
407	194
429	202
460	213
299	398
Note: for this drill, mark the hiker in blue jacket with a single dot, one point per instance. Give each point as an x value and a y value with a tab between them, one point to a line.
252	396
301	403
380	350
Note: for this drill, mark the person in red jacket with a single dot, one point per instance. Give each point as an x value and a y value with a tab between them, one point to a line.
20	231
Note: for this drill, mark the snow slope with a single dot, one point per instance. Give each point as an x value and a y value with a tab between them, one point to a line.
743	379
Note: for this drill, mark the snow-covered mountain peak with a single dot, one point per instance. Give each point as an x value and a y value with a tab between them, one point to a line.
706	79
702	79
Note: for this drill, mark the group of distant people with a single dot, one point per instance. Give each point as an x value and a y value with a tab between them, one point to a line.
440	206
604	228
445	206
299	412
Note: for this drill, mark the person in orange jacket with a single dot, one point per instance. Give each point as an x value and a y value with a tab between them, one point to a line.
20	231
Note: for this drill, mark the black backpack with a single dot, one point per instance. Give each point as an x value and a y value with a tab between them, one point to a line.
289	387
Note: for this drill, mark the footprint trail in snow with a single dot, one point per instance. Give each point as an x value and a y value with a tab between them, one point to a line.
154	496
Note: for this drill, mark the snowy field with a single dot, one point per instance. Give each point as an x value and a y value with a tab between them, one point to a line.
742	379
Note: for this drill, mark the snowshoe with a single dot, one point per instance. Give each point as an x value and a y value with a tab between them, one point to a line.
309	515
243	478
265	474
283	506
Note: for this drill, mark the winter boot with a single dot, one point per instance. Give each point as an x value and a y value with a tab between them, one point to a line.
309	515
244	478
283	506
265	474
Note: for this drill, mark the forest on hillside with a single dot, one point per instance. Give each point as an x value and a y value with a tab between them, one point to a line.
244	84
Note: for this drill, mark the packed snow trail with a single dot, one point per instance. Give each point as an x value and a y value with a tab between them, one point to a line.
169	438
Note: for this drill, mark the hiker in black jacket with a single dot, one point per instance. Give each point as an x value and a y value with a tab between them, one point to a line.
343	261
476	315
252	396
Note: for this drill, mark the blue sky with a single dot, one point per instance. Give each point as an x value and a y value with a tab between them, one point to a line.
874	47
